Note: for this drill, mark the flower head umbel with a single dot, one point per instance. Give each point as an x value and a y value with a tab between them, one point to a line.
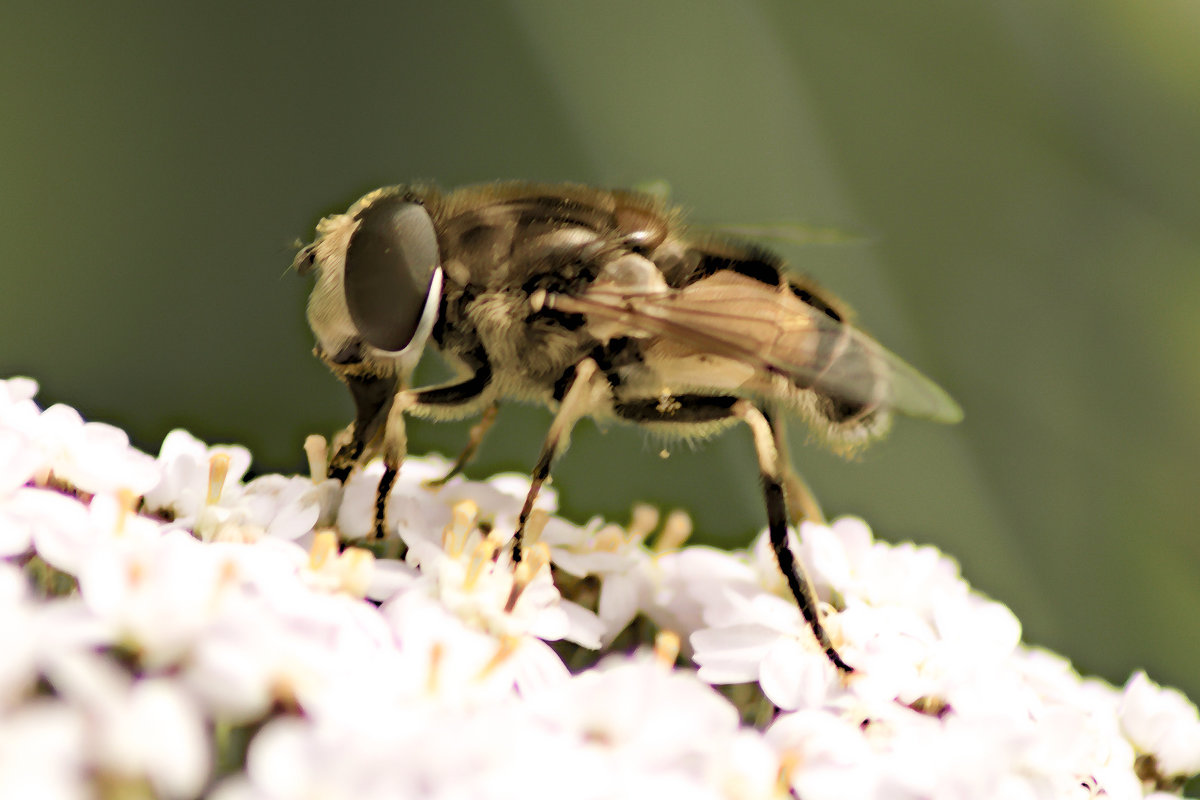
171	630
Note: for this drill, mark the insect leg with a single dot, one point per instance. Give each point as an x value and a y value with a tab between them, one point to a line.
575	404
372	397
702	409
800	499
773	477
434	400
474	439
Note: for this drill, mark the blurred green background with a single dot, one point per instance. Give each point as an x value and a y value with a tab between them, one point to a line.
1019	179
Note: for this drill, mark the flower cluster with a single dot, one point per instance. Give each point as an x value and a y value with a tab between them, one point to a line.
172	630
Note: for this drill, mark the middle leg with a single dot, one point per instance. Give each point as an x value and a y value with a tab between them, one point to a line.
575	404
474	439
452	399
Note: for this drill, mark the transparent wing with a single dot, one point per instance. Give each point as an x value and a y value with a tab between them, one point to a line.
771	329
789	232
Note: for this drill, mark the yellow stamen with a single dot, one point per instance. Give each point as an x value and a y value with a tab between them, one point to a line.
789	762
126	503
480	557
609	539
642	522
357	566
218	469
507	646
42	476
534	527
135	571
324	550
462	520
228	574
436	655
666	648
285	693
535	558
316	449
675	532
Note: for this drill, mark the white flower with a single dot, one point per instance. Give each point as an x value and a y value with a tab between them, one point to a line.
159	597
414	509
497	751
643	707
609	553
164	737
44	751
19	458
93	456
747	767
136	728
21	515
1161	723
187	483
420	511
633	577
764	638
14	589
446	658
478	582
647	727
844	557
242	668
676	587
835	760
284	507
261	633
18	633
591	549
351	571
15	391
200	490
68	533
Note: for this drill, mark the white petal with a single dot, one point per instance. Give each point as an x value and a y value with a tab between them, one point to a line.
172	732
537	667
793	676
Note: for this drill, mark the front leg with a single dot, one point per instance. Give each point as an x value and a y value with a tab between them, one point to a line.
451	399
703	412
372	398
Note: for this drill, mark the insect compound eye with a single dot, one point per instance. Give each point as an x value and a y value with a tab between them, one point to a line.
390	264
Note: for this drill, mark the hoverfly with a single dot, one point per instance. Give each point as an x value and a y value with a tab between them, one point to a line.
595	303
